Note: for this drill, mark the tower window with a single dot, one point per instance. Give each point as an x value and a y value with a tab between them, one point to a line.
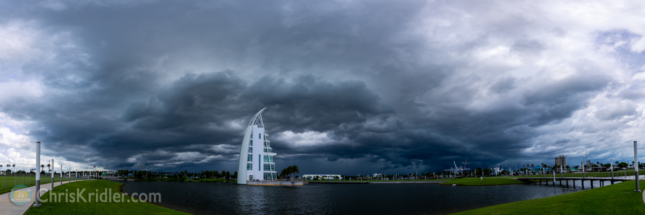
259	136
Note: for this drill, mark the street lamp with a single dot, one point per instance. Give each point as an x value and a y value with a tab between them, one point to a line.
636	165
37	175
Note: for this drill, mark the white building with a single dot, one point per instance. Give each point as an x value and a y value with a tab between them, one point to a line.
256	158
322	176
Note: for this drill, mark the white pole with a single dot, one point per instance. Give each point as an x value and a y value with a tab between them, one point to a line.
53	171
37	175
612	168
636	166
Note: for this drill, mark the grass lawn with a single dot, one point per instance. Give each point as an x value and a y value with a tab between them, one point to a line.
126	206
7	182
485	182
614	199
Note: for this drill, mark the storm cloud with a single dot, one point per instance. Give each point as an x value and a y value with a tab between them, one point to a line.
350	86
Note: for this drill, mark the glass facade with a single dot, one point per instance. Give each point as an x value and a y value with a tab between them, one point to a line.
268	158
269	176
250	158
269	167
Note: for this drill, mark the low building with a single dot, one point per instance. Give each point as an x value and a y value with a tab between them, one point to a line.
322	177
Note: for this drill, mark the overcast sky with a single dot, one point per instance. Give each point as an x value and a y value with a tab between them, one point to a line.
351	87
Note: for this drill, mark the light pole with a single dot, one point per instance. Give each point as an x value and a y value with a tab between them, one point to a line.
636	166
53	174
612	168
37	175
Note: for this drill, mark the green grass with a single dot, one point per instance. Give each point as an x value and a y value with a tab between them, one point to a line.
94	207
9	181
614	199
485	182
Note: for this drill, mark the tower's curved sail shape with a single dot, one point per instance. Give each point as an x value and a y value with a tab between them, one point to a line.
256	156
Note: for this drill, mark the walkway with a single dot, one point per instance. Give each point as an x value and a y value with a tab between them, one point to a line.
8	208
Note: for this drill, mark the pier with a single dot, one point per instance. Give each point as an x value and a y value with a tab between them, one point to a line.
560	180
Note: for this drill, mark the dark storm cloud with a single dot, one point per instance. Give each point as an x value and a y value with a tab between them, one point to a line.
145	92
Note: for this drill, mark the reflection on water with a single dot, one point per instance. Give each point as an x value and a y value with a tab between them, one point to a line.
222	198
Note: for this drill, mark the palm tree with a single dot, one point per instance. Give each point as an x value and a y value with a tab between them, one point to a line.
284	172
294	169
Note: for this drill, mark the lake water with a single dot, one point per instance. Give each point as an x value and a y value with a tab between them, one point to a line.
228	198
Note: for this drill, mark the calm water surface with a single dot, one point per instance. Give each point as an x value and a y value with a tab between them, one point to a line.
227	198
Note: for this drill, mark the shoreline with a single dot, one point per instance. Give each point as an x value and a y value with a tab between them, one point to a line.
618	198
487	181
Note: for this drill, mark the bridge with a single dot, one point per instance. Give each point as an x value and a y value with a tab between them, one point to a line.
602	180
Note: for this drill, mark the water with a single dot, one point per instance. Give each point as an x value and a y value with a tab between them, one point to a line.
227	198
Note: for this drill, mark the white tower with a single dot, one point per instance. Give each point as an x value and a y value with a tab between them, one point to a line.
256	158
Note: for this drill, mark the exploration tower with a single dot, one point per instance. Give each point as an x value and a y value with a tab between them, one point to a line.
256	157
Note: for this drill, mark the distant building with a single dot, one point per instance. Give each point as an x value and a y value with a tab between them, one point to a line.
561	161
322	176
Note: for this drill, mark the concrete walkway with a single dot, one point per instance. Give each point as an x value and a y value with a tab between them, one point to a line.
9	208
